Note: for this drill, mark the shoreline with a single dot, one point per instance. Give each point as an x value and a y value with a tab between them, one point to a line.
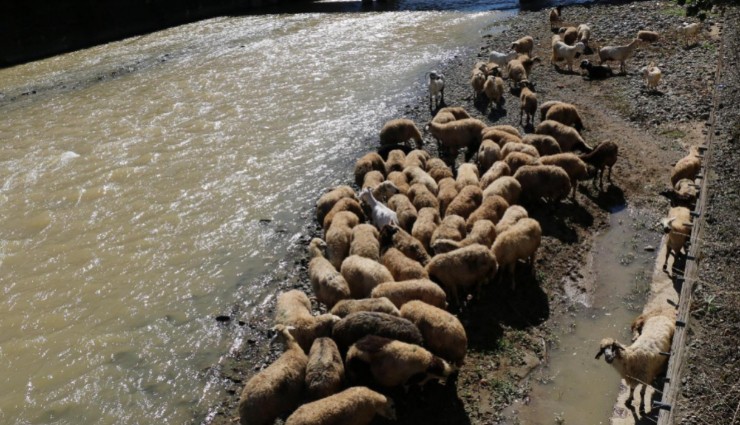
619	107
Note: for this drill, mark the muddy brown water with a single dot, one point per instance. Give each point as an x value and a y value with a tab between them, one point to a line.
152	184
606	295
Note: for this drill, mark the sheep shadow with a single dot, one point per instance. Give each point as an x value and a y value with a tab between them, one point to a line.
612	199
432	404
563	71
553	223
499	111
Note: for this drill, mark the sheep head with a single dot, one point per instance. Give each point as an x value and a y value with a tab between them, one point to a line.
366	195
610	348
666	223
316	248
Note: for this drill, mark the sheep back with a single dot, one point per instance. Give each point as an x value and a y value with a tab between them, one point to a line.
364	242
381	305
497	170
324	370
369	162
506	187
543	181
545	145
399	131
363	274
401	266
443	333
356	406
328	199
492	208
401	292
466	201
358	325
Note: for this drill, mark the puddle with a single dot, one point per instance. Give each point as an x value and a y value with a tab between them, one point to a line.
573	387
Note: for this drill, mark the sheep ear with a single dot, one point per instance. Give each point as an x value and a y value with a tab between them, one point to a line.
601	351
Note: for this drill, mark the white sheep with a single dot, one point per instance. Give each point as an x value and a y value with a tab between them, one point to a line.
324	370
381	305
618	53
462	268
641	362
501	59
293	308
363	274
519	242
689	32
687	167
562	51
651	74
436	85
328	284
443	333
399	131
380	215
524	45
678	228
278	389
355	405
401	292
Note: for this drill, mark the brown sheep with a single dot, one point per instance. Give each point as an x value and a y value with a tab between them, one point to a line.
399	131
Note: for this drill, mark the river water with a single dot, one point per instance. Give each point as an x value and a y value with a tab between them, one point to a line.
149	184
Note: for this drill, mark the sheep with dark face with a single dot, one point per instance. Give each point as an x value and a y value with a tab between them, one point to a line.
604	155
394	236
596	72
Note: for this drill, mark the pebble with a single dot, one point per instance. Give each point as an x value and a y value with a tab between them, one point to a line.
649	248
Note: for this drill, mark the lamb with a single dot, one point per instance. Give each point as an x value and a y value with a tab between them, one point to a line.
399	131
395	161
543	181
421	197
555	16
488	153
562	51
687	167
368	162
467	174
401	292
465	133
651	74
571	163
604	155
494	89
385	190
519	242
462	268
477	82
425	225
398	238
327	200
356	405
399	179
372	179
448	191
328	284
618	53
436	85
393	363
520	147
438	169
364	242
344	205
641	362
324	370
545	145
465	202
497	170
452	227
528	101
596	72
512	214
339	237
506	187
380	215
584	33
381	305
524	45
567	137
678	228
358	325
515	160
401	266
567	114
546	107
443	333
278	389
418	175
689	32
416	157
363	274
405	210
648	36
569	35
294	309
501	59
492	208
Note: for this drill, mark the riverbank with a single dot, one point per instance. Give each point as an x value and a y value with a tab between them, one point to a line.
509	336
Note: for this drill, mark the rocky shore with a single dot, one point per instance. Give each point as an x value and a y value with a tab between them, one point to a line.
509	337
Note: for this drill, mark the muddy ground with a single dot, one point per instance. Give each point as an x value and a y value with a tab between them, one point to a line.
509	331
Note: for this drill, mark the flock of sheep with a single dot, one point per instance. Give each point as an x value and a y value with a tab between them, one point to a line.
419	234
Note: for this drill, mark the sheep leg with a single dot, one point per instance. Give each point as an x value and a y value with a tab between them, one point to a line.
628	402
642	405
667	253
512	271
442	97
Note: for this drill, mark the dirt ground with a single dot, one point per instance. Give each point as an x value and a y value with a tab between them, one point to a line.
509	331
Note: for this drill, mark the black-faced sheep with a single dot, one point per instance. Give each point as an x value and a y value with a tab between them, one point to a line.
327	200
358	325
567	137
294	309
567	114
399	131
443	333
401	266
278	389
381	305
528	100
512	214
400	239
618	53
364	242
328	284
324	370
687	167
543	181
604	155
405	210
678	228
401	292
596	72
425	226
393	363
467	200
363	274
492	208
369	162
462	268
497	170
545	145
641	362
519	242
506	187
571	163
356	406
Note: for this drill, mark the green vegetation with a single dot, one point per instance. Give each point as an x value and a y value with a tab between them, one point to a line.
673	133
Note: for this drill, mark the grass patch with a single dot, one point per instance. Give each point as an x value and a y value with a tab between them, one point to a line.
709	46
674	11
673	133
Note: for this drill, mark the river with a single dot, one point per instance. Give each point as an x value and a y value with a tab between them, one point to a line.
149	184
